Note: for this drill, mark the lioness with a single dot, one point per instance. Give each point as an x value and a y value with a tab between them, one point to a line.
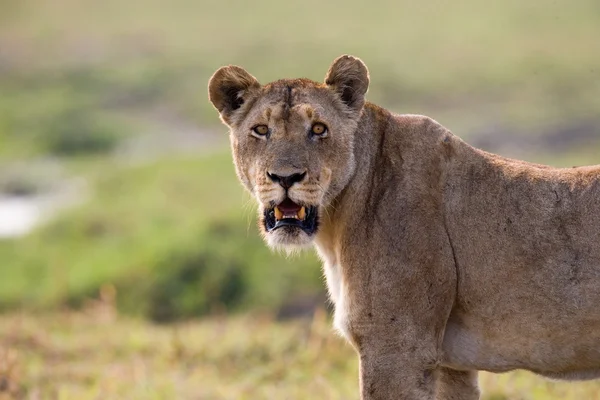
441	259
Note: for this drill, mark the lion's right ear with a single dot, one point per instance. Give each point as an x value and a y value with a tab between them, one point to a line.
349	77
228	88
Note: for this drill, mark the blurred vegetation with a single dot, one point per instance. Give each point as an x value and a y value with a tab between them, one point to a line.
470	64
173	237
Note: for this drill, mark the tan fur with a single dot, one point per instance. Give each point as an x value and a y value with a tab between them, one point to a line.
441	259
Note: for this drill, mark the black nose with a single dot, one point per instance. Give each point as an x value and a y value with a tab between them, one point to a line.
286	181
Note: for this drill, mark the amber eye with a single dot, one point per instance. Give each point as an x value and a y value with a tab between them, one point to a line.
318	129
261	130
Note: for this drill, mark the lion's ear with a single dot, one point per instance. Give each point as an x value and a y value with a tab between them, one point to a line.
228	88
349	77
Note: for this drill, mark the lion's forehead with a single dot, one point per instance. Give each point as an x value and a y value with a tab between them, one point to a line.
298	113
299	84
300	108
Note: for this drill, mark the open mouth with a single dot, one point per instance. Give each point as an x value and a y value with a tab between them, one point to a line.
290	214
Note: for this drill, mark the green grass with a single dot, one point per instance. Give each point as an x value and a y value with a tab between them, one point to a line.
98	354
176	237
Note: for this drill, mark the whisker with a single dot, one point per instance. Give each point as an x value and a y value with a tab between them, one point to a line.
325	194
247	207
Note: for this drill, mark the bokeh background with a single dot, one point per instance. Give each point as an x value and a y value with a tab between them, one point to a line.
130	265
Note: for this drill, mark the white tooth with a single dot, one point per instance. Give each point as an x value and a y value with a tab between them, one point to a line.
302	213
278	214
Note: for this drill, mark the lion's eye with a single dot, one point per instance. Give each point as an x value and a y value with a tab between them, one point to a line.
318	129
261	130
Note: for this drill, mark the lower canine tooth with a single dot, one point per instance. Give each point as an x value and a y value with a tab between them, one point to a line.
278	214
302	213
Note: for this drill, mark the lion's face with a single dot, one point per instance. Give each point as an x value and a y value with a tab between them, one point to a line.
292	143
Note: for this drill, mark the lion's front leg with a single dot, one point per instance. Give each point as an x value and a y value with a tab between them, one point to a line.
395	364
456	385
394	306
394	377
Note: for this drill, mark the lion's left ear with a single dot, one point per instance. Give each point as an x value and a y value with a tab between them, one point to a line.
349	77
229	88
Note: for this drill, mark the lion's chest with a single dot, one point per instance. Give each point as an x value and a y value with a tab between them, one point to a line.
337	289
335	286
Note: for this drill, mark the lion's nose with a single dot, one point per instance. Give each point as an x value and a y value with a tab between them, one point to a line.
287	180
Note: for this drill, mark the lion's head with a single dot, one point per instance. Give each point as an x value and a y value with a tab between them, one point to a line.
292	142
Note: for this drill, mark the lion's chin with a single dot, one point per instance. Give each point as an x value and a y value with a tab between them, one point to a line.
289	239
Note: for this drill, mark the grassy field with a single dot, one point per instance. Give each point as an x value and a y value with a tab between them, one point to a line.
95	354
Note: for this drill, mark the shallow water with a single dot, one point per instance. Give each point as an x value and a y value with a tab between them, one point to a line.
19	215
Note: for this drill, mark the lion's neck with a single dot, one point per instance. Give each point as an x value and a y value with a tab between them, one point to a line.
346	210
344	215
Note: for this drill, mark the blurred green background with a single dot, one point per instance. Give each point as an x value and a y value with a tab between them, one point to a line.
117	190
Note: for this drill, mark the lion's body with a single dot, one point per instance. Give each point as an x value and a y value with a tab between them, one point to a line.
441	259
521	242
526	240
